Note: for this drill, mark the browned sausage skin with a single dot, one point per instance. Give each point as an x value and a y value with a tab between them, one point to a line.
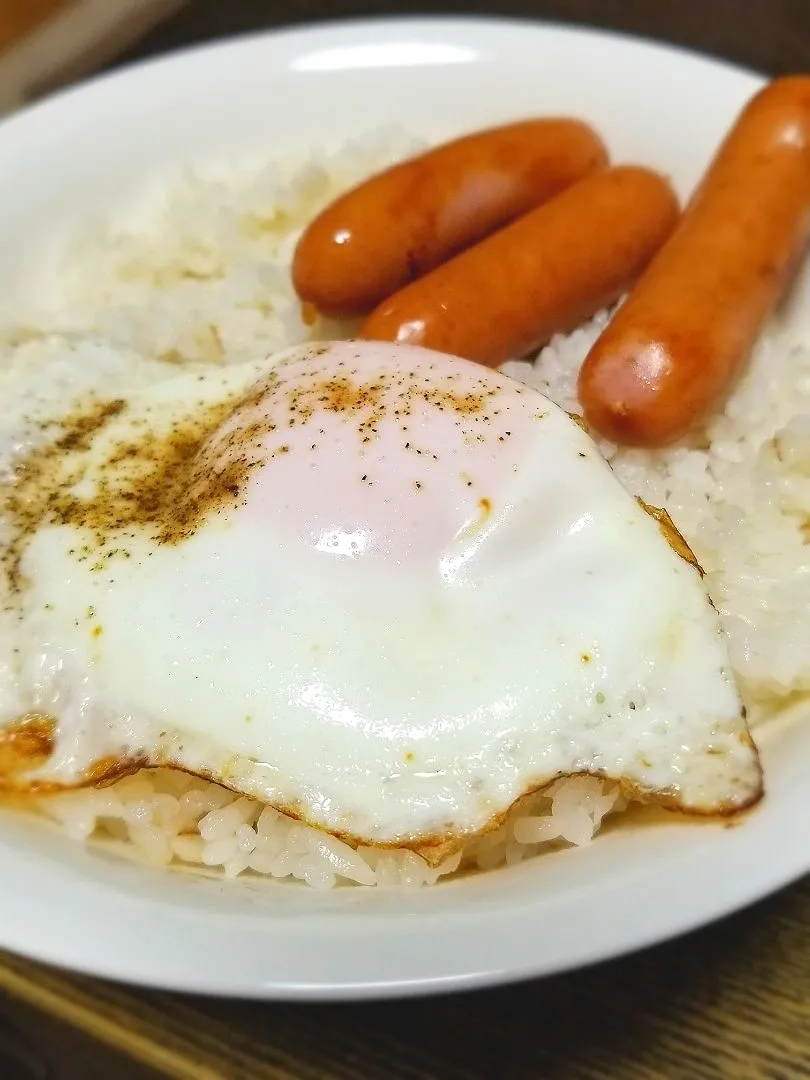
545	273
405	221
674	347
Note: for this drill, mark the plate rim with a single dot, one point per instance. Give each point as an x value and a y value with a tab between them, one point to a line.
453	23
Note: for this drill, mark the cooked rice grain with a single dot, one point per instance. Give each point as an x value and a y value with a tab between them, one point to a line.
168	816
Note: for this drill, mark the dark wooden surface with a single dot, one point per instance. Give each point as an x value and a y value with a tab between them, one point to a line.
732	1000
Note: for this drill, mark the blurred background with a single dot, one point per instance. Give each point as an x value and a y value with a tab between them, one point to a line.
45	44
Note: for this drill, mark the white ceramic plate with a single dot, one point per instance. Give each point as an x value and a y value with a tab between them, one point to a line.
635	885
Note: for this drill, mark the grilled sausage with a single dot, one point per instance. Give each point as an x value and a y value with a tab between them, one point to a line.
407	220
544	273
673	348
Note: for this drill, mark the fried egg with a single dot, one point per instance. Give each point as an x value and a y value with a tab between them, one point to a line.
387	591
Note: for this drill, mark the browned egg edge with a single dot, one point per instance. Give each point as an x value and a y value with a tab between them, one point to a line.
28	743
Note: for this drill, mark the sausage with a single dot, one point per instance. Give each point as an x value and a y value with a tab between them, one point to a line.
673	348
542	274
405	221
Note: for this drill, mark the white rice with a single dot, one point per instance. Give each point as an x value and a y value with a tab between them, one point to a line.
170	817
194	269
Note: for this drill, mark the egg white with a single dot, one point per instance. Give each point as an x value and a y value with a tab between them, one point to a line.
390	593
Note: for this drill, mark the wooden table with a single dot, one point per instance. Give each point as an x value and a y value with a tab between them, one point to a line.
729	1001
